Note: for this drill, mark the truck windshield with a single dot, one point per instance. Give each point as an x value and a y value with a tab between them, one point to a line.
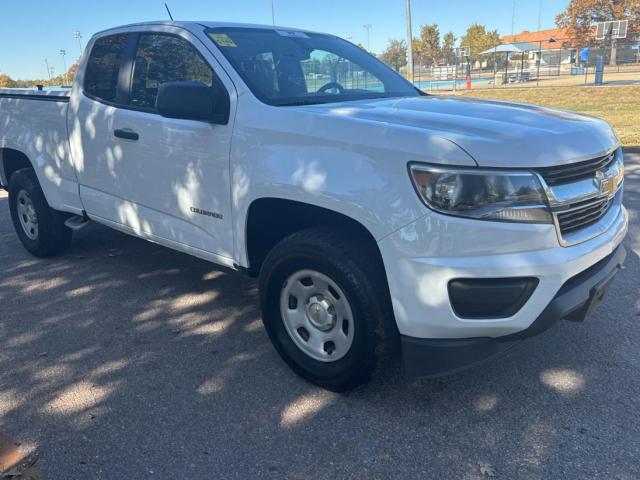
284	67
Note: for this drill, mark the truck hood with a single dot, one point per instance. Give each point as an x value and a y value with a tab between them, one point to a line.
494	134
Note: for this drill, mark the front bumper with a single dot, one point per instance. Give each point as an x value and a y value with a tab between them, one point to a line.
574	301
424	257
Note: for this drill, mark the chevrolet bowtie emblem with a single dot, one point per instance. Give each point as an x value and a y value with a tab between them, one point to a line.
605	183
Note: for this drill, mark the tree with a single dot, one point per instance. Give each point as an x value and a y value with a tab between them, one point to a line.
395	55
429	42
581	16
479	39
62	79
418	50
448	47
7	82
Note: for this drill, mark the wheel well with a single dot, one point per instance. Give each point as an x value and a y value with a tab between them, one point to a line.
270	220
11	161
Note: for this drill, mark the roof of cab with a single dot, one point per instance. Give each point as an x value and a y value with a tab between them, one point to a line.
193	26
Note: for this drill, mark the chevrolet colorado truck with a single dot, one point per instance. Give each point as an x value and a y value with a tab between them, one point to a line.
377	218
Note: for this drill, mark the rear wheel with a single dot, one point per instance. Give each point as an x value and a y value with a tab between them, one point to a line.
40	228
324	300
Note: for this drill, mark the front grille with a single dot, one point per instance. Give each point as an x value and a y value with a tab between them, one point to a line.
582	214
575	171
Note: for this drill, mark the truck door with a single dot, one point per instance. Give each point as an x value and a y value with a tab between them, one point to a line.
166	179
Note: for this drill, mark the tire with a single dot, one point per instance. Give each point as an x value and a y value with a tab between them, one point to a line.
40	228
314	258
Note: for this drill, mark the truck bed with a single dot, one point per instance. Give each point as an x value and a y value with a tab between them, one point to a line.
34	122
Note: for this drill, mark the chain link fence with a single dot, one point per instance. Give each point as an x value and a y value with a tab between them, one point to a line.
540	64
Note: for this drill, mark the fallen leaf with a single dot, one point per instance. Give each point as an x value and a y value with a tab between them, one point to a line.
487	470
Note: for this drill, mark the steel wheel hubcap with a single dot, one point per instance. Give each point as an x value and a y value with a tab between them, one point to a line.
27	215
317	315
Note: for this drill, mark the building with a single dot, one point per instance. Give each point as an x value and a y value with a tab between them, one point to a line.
550	39
556	46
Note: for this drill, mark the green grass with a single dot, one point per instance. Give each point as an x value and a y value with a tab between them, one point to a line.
620	105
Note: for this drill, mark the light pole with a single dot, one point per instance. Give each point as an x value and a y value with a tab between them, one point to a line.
63	53
409	44
78	36
367	27
273	12
540	16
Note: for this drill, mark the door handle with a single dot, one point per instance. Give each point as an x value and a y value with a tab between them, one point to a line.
126	133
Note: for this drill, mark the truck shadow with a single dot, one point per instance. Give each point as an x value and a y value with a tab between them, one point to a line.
125	357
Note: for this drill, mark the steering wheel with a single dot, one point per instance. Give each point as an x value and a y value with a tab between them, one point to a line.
330	86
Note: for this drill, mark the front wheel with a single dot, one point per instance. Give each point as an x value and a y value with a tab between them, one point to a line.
40	228
323	301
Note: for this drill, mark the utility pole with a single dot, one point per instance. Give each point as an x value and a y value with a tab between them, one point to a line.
367	27
63	53
46	62
513	17
409	44
78	36
273	12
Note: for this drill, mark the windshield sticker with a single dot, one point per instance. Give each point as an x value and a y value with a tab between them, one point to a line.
223	40
291	33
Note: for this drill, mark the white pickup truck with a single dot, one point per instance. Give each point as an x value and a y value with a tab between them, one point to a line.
374	215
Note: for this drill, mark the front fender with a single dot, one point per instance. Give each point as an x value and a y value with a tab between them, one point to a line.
357	169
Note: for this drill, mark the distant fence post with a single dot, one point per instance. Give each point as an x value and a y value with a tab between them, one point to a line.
539	61
495	64
559	62
455	75
586	73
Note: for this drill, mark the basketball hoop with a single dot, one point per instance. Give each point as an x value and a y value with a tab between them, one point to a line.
462	52
614	29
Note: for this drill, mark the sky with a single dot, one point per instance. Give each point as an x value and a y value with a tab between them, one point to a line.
31	31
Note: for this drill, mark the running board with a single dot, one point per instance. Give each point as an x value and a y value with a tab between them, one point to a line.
77	222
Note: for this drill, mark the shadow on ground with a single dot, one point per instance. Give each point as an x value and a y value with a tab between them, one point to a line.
123	359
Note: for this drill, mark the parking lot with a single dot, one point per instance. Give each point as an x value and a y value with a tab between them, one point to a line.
122	359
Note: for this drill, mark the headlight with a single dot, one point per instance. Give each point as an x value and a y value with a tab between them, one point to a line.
482	194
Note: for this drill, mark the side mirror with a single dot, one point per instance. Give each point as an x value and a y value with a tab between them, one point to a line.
185	100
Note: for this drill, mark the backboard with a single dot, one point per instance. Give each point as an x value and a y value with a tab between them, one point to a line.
462	52
612	29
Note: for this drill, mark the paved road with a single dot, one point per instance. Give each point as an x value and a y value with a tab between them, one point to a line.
126	360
